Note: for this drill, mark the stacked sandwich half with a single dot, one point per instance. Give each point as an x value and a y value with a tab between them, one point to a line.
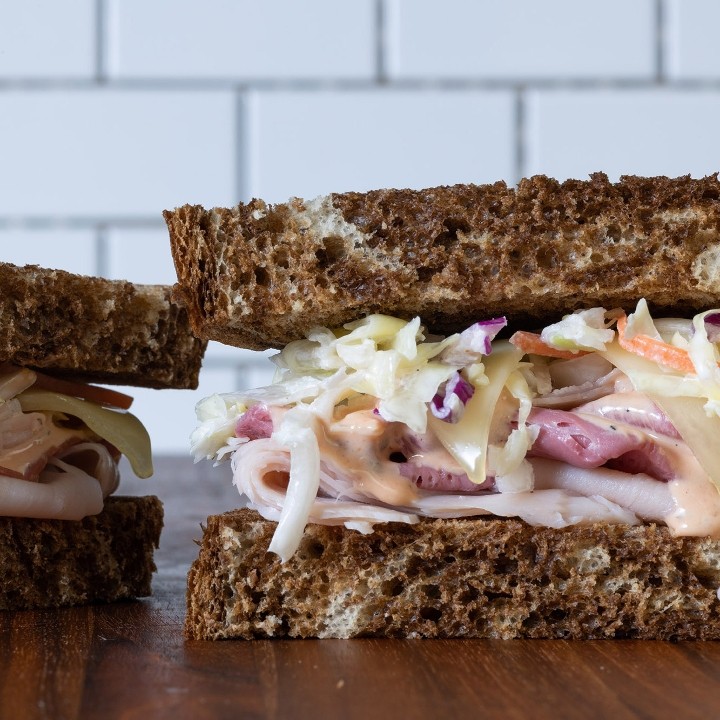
495	414
65	538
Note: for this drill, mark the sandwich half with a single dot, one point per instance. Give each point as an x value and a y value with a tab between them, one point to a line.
495	411
66	539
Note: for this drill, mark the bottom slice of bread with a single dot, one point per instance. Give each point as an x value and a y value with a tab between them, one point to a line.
105	557
480	578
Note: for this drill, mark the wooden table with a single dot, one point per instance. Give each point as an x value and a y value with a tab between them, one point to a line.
129	660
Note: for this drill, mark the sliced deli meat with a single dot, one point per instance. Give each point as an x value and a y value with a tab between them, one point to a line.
375	422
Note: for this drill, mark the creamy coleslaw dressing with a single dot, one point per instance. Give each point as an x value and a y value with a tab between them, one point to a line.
696	508
354	444
696	494
697	502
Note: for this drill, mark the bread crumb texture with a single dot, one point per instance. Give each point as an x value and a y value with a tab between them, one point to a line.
105	557
261	275
96	330
482	578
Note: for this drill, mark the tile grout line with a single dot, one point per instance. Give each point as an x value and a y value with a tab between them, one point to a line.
241	148
660	49
102	251
320	85
380	42
59	222
100	42
519	140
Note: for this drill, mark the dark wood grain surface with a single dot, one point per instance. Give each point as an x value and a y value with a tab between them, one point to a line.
129	660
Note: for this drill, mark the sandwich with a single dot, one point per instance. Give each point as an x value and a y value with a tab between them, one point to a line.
495	411
66	539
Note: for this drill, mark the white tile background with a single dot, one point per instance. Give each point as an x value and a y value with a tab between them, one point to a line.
112	110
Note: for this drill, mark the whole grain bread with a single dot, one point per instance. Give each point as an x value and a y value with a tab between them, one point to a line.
479	578
105	557
96	330
261	275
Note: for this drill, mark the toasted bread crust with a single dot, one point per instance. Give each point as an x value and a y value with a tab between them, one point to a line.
96	330
105	557
260	275
481	578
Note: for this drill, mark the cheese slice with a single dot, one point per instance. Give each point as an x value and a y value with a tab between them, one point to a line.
121	429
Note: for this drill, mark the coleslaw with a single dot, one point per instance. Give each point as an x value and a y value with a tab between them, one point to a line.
377	422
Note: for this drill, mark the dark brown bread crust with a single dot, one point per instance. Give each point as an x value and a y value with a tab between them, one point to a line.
485	578
96	330
260	276
106	557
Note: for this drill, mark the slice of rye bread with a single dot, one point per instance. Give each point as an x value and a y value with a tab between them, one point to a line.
105	557
260	275
479	578
96	330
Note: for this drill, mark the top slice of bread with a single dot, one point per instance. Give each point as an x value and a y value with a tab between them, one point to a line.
261	275
96	330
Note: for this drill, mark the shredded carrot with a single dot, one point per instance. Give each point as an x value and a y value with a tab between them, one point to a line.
532	344
656	350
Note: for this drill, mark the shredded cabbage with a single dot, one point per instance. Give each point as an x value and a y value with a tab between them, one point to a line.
297	433
449	402
513	473
646	376
383	358
583	330
675	331
467	440
218	414
641	323
704	356
471	344
453	387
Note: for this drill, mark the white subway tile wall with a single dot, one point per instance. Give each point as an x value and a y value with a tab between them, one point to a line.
521	39
241	39
641	132
47	39
115	153
70	249
141	255
693	38
112	110
312	143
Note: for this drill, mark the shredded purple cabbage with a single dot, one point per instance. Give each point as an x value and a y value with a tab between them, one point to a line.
712	327
473	343
451	398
